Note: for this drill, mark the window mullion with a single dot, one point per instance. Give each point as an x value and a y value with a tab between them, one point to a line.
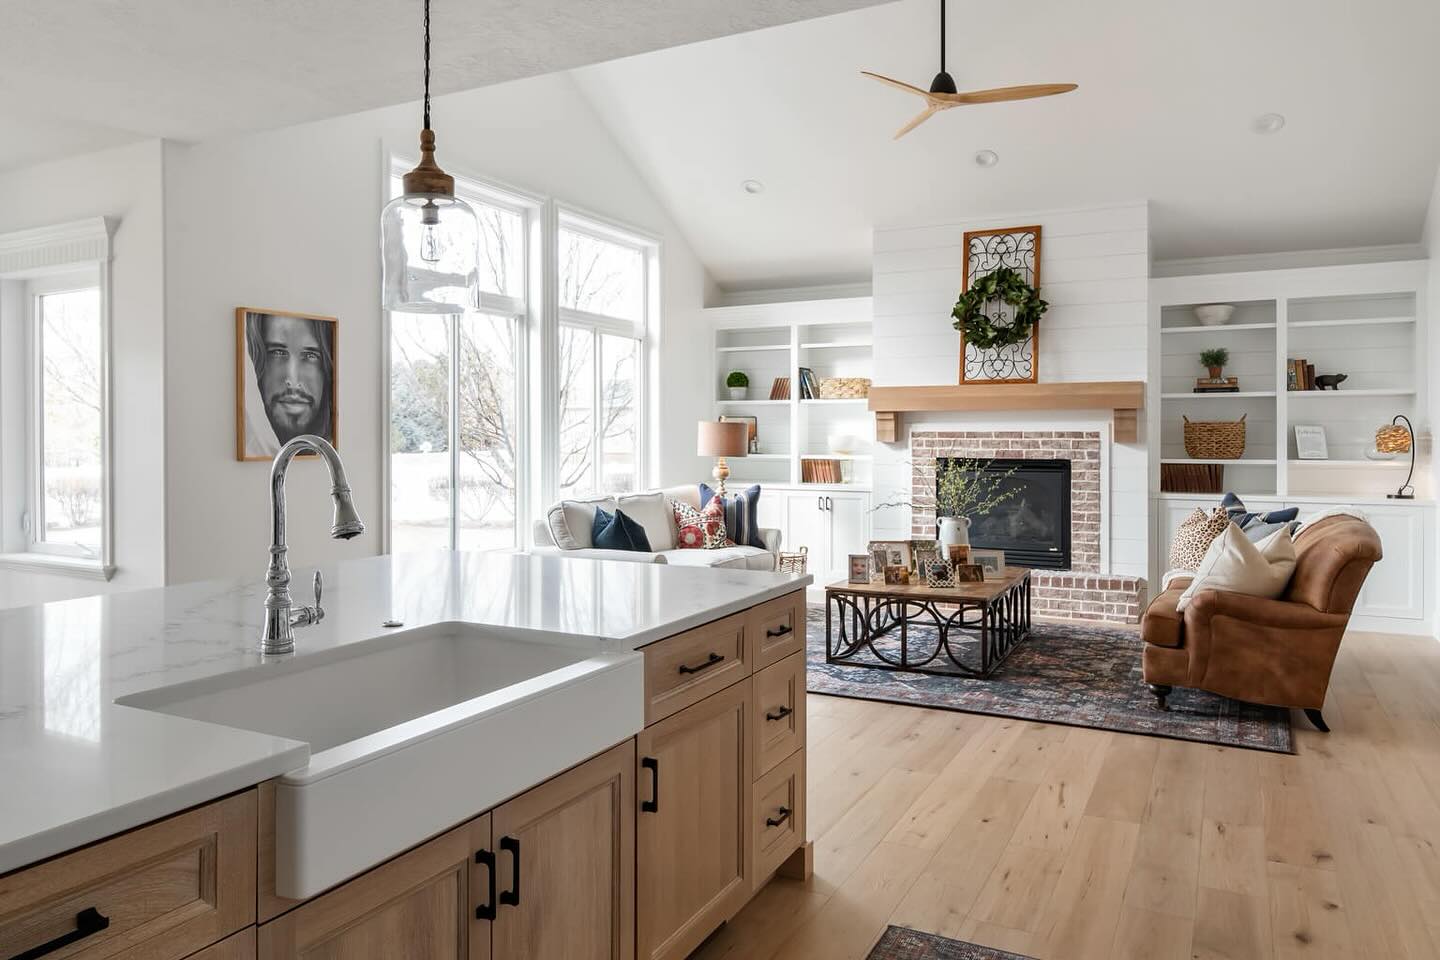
454	389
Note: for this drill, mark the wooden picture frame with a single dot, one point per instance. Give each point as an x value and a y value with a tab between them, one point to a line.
303	400
1025	257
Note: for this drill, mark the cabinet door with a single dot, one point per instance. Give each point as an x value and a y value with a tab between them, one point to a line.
694	851
1396	585
565	863
849	517
420	906
808	525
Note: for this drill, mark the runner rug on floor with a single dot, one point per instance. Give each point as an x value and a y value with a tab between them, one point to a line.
902	943
1087	676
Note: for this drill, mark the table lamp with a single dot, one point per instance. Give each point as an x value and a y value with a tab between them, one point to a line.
720	440
1393	438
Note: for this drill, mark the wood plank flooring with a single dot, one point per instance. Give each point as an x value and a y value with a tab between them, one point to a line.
1064	843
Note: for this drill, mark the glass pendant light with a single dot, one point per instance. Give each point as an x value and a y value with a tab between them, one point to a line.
429	238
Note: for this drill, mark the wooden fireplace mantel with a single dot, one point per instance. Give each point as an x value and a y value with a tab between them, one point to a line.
1123	398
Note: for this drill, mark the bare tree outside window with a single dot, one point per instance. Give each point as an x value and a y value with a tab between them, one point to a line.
71	416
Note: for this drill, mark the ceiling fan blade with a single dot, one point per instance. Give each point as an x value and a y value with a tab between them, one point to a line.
1027	91
898	84
919	118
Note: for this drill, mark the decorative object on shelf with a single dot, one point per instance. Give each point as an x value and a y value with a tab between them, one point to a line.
1330	381
859	567
1213	385
969	573
752	431
954	531
943	94
844	388
842	442
721	439
738	384
429	238
1214	439
1310	442
1393	438
793	561
780	389
1299	375
999	309
991	561
285	383
1214	360
815	470
809	384
1192	477
1214	314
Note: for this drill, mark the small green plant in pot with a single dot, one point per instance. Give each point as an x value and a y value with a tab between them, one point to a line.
738	384
1214	360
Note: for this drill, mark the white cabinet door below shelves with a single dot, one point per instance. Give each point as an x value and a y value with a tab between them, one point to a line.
807	525
1396	585
849	517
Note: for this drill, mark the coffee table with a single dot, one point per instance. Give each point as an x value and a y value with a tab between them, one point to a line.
860	616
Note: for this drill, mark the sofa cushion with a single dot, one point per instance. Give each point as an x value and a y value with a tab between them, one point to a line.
1163	623
1194	537
1236	565
651	511
729	558
617	531
700	529
740	510
570	521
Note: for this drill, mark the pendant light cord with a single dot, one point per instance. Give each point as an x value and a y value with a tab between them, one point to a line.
427	64
942	35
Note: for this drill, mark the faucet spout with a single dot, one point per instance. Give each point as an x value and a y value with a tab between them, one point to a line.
280	618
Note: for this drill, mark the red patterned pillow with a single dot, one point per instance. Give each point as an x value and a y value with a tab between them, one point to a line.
701	529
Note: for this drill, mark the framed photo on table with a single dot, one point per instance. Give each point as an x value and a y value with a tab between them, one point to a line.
923	555
991	561
859	568
890	553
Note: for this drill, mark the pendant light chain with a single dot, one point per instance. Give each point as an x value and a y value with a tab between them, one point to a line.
427	64
942	35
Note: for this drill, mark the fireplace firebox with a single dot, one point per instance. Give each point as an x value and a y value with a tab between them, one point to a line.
1033	525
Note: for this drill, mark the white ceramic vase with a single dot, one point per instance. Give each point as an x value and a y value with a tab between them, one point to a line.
955	531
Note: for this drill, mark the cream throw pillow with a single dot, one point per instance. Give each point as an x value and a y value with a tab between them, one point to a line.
1235	564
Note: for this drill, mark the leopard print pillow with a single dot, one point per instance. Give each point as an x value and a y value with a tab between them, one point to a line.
1194	537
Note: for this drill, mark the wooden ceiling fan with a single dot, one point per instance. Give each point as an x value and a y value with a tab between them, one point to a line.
942	94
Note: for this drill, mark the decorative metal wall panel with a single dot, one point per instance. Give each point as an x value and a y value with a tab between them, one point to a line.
985	252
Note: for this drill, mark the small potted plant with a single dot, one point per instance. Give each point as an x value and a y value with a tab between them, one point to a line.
1214	360
738	384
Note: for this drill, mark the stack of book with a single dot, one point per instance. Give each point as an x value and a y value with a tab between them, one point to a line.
1222	385
809	385
780	389
820	471
1300	375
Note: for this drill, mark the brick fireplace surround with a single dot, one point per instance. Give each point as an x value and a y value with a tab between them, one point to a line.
1080	593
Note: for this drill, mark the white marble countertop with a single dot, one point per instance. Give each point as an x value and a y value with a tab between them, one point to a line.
77	767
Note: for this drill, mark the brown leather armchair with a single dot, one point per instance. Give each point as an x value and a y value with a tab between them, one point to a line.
1277	652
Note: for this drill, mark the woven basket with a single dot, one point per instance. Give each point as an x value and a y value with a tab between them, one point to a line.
1215	439
793	562
844	388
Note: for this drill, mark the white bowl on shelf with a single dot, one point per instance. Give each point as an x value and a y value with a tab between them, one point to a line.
842	442
1214	314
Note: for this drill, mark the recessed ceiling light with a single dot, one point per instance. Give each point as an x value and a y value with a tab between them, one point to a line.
752	186
1269	123
986	158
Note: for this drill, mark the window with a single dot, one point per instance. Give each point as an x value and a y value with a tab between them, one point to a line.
603	277
457	437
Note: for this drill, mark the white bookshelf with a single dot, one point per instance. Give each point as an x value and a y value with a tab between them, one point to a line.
831	337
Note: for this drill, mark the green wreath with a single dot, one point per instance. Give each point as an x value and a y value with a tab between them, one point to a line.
1009	287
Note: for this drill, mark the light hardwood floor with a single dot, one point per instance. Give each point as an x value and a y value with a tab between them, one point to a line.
1064	843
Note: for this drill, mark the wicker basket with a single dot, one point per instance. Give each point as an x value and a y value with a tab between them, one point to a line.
1392	438
793	562
1215	439
844	388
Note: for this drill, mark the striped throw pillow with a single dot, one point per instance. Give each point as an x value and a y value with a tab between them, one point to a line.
740	513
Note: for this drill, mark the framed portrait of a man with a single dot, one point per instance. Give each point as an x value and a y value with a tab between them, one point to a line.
285	383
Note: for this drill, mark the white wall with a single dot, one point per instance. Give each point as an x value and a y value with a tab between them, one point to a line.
1093	271
289	219
124	183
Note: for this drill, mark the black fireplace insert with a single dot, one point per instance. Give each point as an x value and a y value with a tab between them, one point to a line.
1033	526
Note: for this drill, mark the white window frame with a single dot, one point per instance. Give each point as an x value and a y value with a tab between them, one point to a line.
34	263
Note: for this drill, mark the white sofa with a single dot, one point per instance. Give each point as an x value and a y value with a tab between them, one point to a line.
565	530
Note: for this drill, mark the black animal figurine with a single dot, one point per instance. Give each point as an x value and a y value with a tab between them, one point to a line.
1331	380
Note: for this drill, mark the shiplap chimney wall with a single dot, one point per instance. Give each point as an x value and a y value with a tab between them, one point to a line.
1094	271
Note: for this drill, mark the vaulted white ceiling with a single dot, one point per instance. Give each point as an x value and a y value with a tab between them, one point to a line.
78	75
1168	93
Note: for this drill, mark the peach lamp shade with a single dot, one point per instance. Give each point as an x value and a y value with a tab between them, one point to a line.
720	440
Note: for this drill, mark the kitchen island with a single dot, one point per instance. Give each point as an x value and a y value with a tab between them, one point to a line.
125	710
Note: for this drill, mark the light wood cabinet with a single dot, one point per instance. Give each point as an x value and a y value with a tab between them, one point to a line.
690	666
775	629
694	855
777	816
421	906
778	724
160	892
241	946
565	863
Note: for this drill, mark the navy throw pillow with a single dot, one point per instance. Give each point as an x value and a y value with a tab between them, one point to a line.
615	531
740	513
1235	509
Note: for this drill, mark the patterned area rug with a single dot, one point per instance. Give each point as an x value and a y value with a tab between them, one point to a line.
1087	676
901	943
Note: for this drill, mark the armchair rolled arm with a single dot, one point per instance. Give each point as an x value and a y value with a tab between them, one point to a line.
1206	605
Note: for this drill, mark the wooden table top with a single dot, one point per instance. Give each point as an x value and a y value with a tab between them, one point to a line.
988	589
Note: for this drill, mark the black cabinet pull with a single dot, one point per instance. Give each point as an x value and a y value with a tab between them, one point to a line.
713	659
486	910
776	821
778	633
653	804
511	897
87	922
780	714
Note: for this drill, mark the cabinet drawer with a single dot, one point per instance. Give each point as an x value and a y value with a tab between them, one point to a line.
778	816
689	666
158	892
776	629
779	720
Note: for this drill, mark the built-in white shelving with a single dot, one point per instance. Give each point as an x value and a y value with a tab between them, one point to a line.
755	349
1241	395
1352	322
1231	327
1343	394
1240	461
